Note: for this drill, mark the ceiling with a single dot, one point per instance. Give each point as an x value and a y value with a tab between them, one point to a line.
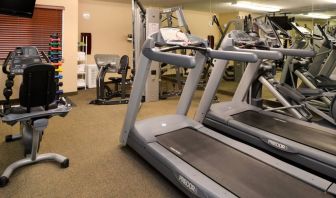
220	6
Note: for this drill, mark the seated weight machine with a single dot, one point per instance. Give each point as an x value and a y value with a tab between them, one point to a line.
108	63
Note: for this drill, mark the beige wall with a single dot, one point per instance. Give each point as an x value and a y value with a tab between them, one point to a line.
110	23
225	18
199	24
242	14
310	22
332	22
70	37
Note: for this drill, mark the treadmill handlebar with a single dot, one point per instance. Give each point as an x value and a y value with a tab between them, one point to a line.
169	58
295	52
153	52
231	55
262	54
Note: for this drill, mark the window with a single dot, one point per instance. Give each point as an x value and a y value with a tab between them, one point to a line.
18	31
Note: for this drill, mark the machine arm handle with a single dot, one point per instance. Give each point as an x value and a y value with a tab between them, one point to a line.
295	52
169	58
230	55
262	54
45	57
5	64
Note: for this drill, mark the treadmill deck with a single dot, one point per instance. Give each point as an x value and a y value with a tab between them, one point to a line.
305	135
239	173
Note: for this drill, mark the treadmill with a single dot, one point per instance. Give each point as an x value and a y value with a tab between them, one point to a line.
304	144
200	161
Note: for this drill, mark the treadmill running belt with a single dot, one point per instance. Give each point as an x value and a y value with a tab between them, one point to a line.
299	133
235	171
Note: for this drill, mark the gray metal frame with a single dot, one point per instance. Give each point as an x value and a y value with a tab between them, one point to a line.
144	23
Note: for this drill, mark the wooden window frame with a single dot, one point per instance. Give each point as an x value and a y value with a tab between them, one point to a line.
30	28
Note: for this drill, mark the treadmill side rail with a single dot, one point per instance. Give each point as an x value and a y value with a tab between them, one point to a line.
136	94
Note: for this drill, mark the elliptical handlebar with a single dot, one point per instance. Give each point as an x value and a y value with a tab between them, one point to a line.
45	57
5	64
295	52
262	54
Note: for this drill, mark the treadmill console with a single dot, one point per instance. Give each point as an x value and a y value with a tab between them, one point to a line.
174	36
22	57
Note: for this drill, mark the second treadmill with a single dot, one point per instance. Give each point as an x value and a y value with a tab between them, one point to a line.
305	144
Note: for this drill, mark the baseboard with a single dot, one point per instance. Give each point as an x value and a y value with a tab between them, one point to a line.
74	93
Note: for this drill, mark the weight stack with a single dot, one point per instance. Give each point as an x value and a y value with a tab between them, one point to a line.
55	57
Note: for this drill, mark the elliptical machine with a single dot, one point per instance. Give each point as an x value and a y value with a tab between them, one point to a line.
298	103
314	93
108	63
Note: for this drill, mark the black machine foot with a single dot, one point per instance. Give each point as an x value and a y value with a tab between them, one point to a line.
12	138
9	138
215	99
3	181
109	102
65	163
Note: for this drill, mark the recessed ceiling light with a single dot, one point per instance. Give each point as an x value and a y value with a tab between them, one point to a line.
255	6
87	15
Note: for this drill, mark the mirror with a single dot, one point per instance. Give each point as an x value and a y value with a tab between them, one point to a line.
277	23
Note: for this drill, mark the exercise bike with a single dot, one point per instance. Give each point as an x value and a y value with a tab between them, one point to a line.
38	102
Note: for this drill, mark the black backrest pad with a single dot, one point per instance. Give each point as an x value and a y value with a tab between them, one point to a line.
124	61
38	86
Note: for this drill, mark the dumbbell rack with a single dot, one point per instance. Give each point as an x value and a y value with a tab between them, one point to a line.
55	57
